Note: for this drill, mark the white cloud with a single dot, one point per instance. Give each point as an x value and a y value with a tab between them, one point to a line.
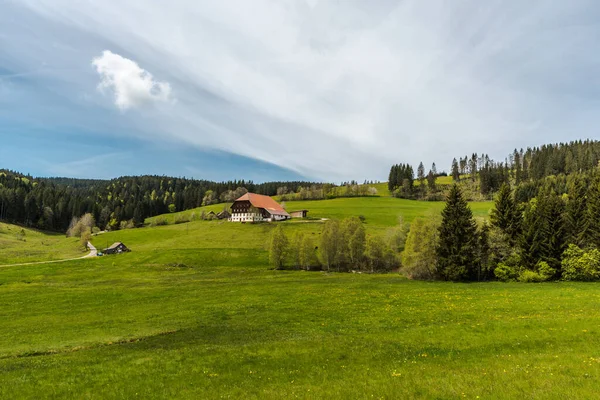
334	90
132	86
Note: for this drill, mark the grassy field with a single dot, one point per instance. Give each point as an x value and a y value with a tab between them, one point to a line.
379	212
195	312
198	323
27	245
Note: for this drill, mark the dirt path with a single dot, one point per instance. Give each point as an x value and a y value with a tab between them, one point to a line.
93	252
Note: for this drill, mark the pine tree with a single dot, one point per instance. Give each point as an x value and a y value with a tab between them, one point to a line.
455	171
553	229
576	210
421	174
592	215
505	214
431	181
483	247
457	244
434	169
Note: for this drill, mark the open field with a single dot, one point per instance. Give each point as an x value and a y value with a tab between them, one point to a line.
27	245
379	212
199	323
195	312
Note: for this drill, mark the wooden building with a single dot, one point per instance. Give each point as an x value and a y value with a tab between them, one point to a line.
116	248
224	215
253	207
299	214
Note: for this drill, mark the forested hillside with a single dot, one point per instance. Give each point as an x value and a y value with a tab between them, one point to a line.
480	177
51	203
545	224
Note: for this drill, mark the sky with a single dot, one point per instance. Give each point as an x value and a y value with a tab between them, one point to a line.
289	89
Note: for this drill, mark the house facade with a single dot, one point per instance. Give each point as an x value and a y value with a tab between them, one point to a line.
253	207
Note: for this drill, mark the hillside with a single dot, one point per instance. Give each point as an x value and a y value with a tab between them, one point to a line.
18	244
194	312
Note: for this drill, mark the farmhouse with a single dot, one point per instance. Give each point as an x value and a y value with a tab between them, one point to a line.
253	207
299	214
116	248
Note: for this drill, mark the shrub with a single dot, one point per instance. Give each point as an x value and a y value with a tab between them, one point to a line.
158	221
578	265
127	224
545	270
181	218
530	276
506	273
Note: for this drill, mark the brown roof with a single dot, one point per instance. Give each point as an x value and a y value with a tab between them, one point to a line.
115	245
266	202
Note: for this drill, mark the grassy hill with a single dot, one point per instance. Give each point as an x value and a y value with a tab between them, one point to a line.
195	312
19	244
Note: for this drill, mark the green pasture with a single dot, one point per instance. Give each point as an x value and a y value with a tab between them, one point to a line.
19	244
194	311
217	323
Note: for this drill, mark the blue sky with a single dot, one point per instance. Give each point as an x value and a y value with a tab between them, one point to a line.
266	90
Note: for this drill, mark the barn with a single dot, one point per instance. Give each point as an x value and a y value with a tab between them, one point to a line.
253	207
116	248
299	214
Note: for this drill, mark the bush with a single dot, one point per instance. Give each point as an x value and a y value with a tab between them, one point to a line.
578	265
530	276
158	221
506	273
127	224
181	218
545	270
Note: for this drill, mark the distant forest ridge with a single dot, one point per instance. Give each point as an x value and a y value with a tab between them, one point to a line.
481	177
51	203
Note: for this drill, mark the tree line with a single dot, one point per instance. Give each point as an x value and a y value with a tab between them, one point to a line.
52	203
555	235
341	246
480	177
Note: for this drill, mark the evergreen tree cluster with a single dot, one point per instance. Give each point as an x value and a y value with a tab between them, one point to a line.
401	175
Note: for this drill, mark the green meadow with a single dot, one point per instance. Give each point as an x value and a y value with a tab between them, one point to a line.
194	311
19	244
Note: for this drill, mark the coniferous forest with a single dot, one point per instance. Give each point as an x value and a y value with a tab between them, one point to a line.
545	224
51	203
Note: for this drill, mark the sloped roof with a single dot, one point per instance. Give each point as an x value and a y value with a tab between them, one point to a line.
115	245
266	202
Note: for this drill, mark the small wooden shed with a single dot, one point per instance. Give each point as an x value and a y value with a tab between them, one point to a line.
116	248
224	214
299	214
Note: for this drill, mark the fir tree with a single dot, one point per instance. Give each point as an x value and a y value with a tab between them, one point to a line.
431	181
457	244
592	216
505	214
484	250
421	174
455	171
576	210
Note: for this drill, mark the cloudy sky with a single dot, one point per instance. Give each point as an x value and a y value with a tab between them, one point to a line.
282	89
